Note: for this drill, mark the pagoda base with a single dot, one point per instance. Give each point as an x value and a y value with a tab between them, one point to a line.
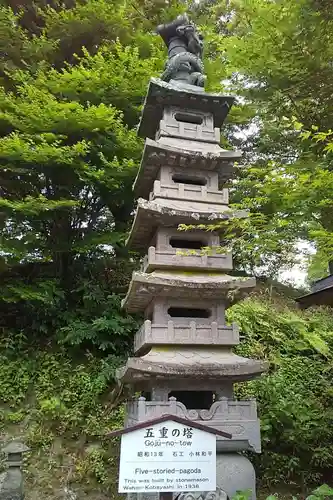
234	472
190	368
238	418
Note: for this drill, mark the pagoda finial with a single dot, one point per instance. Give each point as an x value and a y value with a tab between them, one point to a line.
185	48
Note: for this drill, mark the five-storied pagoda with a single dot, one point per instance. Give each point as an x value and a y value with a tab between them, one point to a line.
183	362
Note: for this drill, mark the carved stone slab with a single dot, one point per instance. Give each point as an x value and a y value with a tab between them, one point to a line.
181	260
172	248
192	334
188	125
170	213
185	155
170	175
161	94
163	364
203	495
182	311
145	287
239	418
182	191
168	238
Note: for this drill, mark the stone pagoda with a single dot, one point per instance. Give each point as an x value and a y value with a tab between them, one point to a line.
183	362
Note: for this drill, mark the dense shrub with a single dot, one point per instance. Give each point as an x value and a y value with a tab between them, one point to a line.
48	396
295	397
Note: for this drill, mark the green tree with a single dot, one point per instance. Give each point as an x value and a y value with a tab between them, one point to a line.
74	78
278	60
295	396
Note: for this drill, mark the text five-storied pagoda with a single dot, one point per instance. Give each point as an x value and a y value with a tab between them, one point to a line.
183	362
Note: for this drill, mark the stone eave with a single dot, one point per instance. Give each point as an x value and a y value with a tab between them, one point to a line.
140	371
161	94
156	154
144	287
168	213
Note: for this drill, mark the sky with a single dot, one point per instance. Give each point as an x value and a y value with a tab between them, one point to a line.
297	274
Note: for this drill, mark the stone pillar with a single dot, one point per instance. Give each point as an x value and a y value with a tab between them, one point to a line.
183	361
11	482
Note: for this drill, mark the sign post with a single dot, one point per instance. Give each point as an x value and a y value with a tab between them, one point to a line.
167	455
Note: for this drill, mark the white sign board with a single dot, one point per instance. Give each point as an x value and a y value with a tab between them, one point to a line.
167	457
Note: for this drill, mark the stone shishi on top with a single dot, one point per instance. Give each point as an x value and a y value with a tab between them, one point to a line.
184	343
185	48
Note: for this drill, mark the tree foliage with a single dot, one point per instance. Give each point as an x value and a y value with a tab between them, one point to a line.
295	398
63	407
74	78
278	61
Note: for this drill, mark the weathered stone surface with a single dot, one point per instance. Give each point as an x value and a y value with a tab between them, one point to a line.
161	94
183	363
187	155
235	473
182	311
173	249
238	418
181	260
15	447
189	145
183	191
145	287
166	238
12	485
202	495
192	334
2	478
188	125
173	176
170	213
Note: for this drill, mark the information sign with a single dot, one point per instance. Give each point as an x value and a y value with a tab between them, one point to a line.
168	456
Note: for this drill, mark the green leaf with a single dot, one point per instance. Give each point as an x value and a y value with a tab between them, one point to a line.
323	491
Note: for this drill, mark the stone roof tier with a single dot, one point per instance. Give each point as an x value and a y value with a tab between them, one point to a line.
171	213
193	365
144	287
161	94
192	155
